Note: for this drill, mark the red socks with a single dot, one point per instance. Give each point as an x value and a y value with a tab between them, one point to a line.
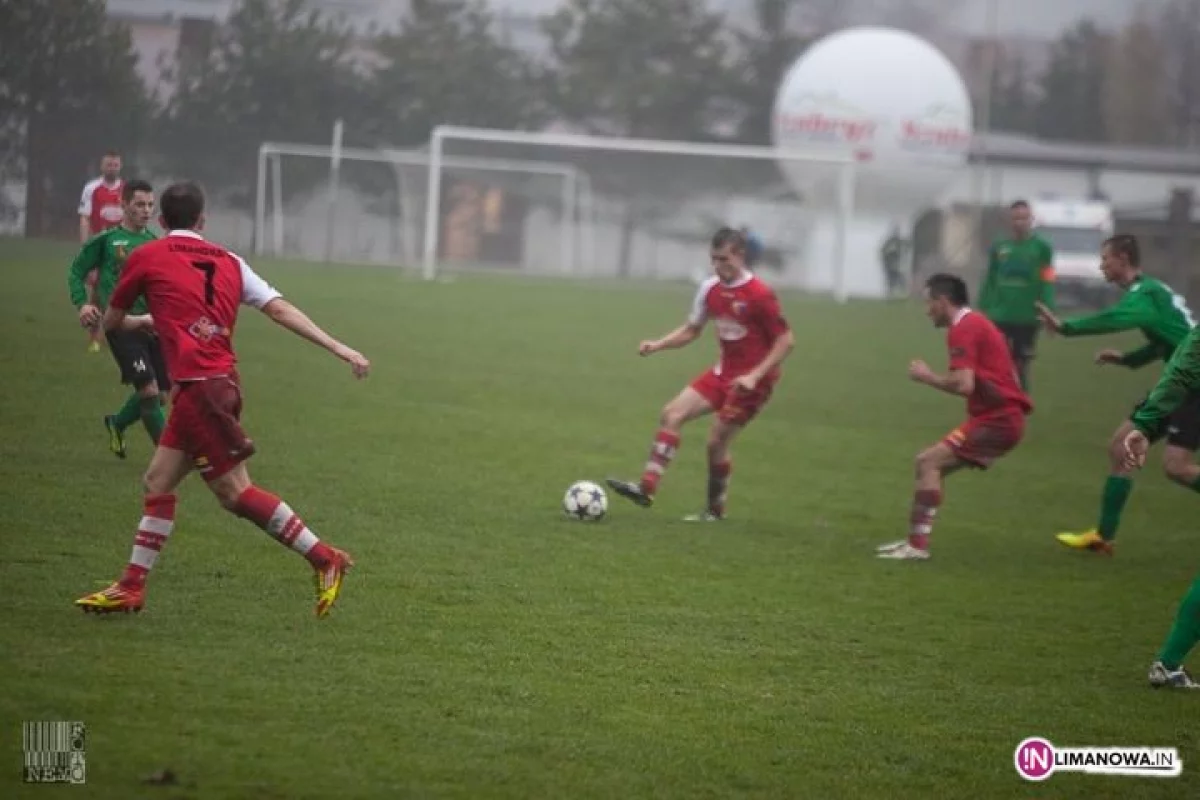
158	520
279	521
924	510
666	444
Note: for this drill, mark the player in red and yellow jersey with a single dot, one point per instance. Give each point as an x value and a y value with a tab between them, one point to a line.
100	208
981	370
754	339
194	289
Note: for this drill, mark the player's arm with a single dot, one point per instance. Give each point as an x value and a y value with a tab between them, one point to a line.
686	333
85	213
1133	310
85	261
772	319
960	380
1047	277
1148	354
261	295
1179	379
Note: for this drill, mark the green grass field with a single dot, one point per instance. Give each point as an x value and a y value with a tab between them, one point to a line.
487	647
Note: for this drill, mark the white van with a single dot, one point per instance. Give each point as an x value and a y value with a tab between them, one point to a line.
1076	229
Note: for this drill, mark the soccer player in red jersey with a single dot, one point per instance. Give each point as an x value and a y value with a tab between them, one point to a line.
193	289
100	208
754	339
982	371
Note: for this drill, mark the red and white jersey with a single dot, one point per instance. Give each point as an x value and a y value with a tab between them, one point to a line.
747	318
975	343
193	289
101	204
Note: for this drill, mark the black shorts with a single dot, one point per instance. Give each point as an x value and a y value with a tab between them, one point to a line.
1021	339
139	355
1181	429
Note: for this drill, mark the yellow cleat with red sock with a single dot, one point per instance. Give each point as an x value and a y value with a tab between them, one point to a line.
329	579
115	599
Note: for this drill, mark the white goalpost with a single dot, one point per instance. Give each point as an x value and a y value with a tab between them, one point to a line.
308	216
652	204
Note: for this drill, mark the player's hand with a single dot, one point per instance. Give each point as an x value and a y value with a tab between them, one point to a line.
919	371
745	383
89	315
1136	447
359	364
1109	357
647	347
1049	319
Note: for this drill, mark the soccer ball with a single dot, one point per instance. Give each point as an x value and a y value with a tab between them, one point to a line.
585	501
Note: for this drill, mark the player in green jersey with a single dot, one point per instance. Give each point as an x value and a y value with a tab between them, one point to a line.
137	353
1178	389
1163	317
1020	274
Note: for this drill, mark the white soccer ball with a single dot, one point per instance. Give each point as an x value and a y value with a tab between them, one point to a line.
585	501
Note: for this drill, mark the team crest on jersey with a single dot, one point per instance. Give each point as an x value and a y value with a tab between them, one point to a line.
205	330
739	307
121	250
730	330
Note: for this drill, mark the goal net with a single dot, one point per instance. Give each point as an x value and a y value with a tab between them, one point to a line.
634	208
364	206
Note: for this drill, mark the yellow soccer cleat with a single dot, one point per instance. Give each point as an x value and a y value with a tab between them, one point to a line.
1088	540
93	346
329	580
116	598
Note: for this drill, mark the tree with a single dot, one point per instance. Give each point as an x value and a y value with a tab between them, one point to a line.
765	53
1072	101
69	91
446	65
1135	99
656	70
1013	100
1179	35
279	71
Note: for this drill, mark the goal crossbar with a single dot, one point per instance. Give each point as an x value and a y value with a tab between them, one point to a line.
437	159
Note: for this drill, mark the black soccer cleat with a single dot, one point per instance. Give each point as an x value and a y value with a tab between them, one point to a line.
631	491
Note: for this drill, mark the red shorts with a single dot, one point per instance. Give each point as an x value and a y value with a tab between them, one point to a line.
205	423
981	440
733	406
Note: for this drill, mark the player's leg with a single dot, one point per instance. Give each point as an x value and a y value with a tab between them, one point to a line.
732	417
976	444
238	494
1168	669
1183	439
700	398
142	367
168	467
1115	494
1023	343
931	467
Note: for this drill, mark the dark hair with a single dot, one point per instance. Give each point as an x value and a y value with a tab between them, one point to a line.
133	187
1125	244
731	236
1018	204
951	287
181	205
111	154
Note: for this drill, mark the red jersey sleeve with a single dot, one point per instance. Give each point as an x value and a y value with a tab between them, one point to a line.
963	341
129	285
770	315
